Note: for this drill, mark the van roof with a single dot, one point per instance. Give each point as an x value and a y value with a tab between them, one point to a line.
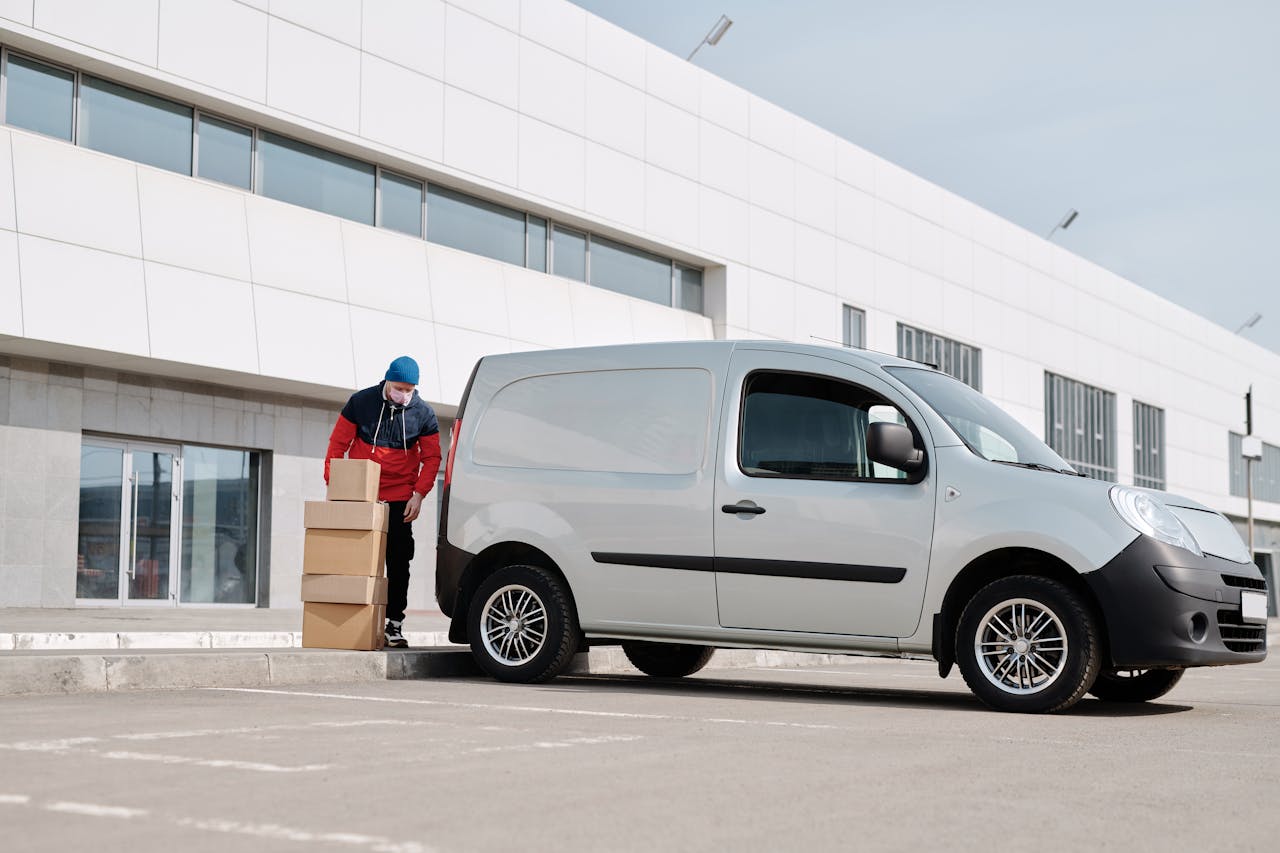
851	354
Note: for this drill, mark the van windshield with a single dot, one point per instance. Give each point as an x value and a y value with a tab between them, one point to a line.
989	431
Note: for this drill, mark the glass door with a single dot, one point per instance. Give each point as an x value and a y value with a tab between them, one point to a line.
129	509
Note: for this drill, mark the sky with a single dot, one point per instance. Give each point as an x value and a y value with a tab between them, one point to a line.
1158	120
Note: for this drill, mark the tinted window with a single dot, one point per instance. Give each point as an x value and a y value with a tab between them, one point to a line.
39	98
225	152
473	225
690	289
133	124
536	259
303	174
809	426
401	204
631	271
569	254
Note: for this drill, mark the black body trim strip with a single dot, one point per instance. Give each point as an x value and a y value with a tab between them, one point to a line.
750	566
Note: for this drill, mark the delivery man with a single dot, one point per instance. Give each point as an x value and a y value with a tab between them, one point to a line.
390	424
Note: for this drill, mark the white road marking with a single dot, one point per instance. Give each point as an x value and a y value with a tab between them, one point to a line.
257	766
275	831
94	810
559	744
14	800
532	709
253	730
61	745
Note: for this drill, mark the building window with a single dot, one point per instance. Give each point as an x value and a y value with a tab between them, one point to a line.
312	177
569	253
134	125
855	327
1080	425
634	272
219	526
953	358
477	226
1148	446
535	257
689	281
1266	472
224	152
401	204
39	97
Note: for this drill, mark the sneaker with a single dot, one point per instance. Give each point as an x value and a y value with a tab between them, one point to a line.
395	640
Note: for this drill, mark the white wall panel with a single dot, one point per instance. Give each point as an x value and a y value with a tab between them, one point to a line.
504	13
724	104
773	305
773	180
281	315
312	76
855	166
194	41
855	274
337	19
957	214
401	108
380	337
818	316
772	126
815	258
615	51
724	162
671	206
457	351
295	249
815	199
407	32
600	317
386	271
816	148
83	297
957	259
855	216
480	136
725	225
18	10
8	219
614	113
481	57
926	246
10	285
552	162
671	138
467	291
651	322
773	242
539	308
957	312
49	173
197	318
615	186
556	24
552	87
672	79
176	208
893	232
124	27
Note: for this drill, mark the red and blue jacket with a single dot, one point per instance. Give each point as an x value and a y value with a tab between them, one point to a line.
404	440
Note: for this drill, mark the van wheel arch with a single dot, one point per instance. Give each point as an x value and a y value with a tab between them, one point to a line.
487	562
992	566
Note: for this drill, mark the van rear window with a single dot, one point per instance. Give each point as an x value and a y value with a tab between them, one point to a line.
619	421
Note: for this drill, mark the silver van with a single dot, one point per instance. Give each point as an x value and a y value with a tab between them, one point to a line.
674	498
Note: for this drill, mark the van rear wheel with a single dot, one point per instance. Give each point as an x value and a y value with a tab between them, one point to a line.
667	660
1135	685
522	625
1028	644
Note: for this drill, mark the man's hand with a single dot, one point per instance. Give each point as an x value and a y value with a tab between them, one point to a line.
413	508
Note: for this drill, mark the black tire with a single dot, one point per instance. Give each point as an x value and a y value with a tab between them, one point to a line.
1060	655
1135	685
667	660
532	597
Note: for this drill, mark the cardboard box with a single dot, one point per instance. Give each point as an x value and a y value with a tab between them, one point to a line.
353	479
358	627
345	515
344	589
345	552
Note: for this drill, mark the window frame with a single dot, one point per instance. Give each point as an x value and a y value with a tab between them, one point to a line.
378	221
1149	423
5	53
846	312
912	477
253	150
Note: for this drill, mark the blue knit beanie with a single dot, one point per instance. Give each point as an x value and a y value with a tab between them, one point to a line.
403	369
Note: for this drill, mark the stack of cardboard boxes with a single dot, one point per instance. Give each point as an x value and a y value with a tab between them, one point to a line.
344	588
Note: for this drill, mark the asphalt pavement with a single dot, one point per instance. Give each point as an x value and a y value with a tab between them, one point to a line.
870	755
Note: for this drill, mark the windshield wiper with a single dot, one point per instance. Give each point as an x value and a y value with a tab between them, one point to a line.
1040	466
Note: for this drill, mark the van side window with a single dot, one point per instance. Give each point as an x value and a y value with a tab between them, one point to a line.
811	427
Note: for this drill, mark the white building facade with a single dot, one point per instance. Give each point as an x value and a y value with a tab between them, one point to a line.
219	218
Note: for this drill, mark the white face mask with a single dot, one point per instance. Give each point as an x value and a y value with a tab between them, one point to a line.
400	398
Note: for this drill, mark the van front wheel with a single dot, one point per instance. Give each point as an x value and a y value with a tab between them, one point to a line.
1028	644
667	660
522	625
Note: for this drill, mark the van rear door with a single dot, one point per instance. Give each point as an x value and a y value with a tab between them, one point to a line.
810	536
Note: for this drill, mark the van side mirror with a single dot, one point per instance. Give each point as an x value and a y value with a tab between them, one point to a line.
893	445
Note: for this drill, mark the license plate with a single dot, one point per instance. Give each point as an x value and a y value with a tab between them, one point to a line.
1253	606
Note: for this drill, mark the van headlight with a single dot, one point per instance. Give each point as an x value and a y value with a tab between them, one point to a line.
1147	515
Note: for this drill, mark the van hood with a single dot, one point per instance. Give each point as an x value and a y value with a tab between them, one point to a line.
1214	533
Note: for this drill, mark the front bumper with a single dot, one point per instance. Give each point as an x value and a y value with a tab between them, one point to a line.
1164	606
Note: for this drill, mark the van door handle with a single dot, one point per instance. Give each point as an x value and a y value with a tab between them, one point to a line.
743	507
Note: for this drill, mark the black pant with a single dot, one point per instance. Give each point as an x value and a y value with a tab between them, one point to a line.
399	553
